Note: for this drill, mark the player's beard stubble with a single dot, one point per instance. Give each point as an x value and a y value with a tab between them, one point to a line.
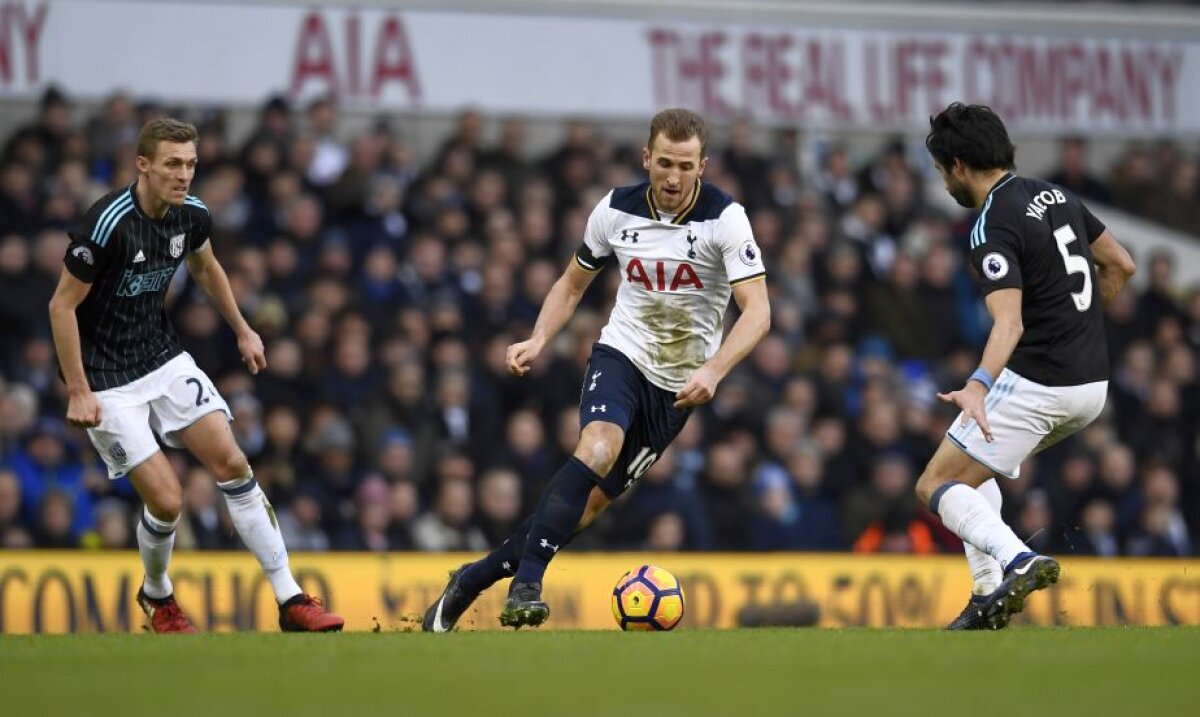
961	194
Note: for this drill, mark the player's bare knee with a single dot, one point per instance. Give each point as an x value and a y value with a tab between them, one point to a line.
927	484
599	446
599	455
231	466
166	503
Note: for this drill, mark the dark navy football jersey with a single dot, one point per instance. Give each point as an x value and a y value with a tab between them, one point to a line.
1034	236
129	259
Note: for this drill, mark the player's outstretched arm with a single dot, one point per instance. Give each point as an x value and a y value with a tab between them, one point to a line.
1114	265
83	409
747	331
1007	326
558	307
207	271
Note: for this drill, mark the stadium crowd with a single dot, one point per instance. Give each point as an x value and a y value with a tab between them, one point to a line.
387	291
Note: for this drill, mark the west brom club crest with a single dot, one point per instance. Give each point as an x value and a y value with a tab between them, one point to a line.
177	246
117	451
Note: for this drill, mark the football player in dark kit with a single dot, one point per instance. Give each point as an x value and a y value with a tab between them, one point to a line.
1045	265
128	377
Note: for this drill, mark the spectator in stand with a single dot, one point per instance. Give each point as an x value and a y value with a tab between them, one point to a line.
1073	174
449	525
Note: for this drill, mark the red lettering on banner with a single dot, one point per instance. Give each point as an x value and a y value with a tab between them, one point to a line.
754	72
19	30
1104	100
874	85
779	76
5	64
1038	76
1137	82
823	79
394	59
314	56
315	60
775	67
936	81
688	70
975	62
1004	86
663	44
1168	70
905	80
32	35
712	71
1074	82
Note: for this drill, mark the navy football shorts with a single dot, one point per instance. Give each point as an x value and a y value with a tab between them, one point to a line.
614	390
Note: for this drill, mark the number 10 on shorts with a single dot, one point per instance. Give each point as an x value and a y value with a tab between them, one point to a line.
641	463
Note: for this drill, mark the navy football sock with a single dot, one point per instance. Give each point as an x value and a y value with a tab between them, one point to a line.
498	564
556	517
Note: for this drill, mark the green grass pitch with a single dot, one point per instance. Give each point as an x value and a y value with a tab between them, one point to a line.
1064	671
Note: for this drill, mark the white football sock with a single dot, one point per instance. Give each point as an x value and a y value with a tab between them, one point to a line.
254	519
156	539
985	571
970	516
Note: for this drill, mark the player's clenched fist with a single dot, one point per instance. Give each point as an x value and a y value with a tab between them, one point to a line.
83	410
520	356
250	345
698	390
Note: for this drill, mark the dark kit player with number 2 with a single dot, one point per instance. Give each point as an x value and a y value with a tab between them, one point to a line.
128	378
1042	261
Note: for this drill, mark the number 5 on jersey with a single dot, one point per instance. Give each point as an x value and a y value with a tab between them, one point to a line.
1064	235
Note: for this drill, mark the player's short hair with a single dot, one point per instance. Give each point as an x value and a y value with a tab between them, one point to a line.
679	125
973	133
165	129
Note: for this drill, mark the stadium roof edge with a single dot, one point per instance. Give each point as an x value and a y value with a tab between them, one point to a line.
1073	18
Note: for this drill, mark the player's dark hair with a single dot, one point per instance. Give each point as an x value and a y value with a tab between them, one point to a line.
166	129
973	133
679	125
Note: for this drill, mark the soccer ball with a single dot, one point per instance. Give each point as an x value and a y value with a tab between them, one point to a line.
648	598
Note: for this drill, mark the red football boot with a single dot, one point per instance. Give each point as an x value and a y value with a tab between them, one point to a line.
165	615
305	613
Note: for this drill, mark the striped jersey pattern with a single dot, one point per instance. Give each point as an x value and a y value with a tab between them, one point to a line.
130	260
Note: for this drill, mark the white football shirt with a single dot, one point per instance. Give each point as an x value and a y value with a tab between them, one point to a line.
677	274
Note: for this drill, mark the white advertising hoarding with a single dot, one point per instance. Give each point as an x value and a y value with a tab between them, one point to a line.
418	60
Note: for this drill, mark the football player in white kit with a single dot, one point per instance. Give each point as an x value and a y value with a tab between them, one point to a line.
682	247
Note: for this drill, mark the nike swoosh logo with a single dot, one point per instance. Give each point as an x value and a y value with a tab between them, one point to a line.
437	616
1025	568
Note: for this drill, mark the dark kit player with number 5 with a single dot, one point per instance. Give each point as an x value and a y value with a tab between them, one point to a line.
1045	265
128	377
